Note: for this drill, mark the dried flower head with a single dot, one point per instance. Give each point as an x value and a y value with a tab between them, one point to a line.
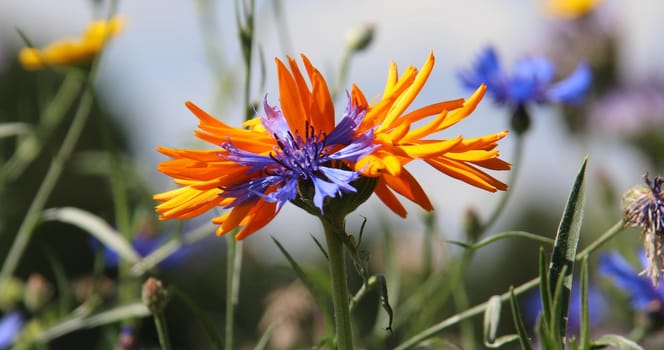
643	206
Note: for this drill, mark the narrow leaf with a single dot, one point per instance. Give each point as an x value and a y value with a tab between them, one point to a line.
264	341
11	129
320	246
567	240
545	292
316	291
619	342
205	321
584	332
117	314
95	226
491	320
518	322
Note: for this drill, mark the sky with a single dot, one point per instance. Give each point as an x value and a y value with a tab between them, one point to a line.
160	61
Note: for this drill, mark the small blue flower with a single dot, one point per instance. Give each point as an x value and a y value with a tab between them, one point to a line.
10	326
531	81
643	295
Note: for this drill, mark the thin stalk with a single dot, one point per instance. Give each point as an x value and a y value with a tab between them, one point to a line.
478	309
233	265
605	237
511	180
33	215
162	330
49	119
340	297
474	311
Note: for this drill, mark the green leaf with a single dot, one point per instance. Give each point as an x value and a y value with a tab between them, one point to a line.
95	226
12	129
117	314
617	341
264	341
207	324
321	296
564	249
491	322
518	322
545	292
584	332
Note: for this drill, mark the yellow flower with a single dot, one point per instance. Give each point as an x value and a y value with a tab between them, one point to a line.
72	51
401	141
570	8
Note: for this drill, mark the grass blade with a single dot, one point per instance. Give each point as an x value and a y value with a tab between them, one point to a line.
96	227
518	322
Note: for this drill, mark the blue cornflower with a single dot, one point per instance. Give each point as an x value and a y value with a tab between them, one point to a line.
644	296
531	81
11	325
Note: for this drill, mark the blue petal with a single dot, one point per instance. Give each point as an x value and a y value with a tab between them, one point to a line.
487	71
274	120
255	161
341	178
344	131
573	88
323	189
361	147
640	289
529	80
10	326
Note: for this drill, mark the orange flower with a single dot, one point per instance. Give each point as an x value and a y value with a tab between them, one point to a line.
401	142
254	171
72	51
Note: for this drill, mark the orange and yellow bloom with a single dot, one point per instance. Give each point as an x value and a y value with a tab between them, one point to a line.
295	152
401	142
72	51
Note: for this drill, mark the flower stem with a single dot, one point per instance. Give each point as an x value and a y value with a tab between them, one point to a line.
233	266
334	232
162	330
516	164
33	215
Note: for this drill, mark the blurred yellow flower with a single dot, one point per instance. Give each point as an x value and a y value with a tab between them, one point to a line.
570	8
71	51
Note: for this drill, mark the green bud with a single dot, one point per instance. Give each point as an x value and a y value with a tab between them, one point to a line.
154	295
472	224
38	292
360	37
11	293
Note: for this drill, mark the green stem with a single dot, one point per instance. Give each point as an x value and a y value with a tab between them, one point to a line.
162	330
605	237
232	282
518	156
33	215
478	309
334	231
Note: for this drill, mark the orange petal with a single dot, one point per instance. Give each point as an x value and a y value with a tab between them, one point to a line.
289	96
390	200
407	186
260	216
467	174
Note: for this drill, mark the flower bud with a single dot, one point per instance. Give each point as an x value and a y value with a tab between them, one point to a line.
360	37
38	292
154	295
